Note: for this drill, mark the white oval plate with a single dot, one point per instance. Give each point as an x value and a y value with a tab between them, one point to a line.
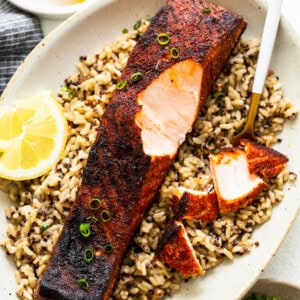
84	33
273	287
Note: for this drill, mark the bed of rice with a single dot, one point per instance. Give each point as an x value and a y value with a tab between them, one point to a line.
42	204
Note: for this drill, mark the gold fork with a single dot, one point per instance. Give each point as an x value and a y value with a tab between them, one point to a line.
263	62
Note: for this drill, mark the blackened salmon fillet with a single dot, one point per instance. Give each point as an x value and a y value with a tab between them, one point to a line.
179	57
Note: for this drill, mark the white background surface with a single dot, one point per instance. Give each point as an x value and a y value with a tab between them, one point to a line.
286	263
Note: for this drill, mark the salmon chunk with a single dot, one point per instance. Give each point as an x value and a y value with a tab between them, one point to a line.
138	139
263	160
234	184
176	250
195	205
165	123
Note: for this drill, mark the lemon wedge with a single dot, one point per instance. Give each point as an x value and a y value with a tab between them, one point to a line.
33	134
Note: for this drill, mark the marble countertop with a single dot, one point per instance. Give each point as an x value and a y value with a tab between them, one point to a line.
286	263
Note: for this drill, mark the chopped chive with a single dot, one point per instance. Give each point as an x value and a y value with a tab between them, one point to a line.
45	227
137	25
72	93
94	204
85	229
105	215
136	76
125	30
64	88
219	94
83	284
121	85
174	52
206	10
88	254
108	248
163	38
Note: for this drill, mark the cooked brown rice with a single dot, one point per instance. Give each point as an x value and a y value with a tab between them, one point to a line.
43	204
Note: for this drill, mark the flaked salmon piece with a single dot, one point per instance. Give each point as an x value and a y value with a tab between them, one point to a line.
263	160
234	184
195	205
165	123
176	249
138	138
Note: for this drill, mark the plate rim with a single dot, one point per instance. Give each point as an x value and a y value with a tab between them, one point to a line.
67	25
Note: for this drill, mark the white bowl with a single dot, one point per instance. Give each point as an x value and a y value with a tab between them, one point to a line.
55	9
277	288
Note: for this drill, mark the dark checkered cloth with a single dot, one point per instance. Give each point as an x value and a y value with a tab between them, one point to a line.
19	34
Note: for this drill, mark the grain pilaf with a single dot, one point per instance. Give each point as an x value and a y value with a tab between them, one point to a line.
43	204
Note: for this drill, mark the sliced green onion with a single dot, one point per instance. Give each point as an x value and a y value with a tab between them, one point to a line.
72	93
148	18
88	254
91	219
219	94
105	215
136	76
137	25
163	38
94	204
206	10
85	229
125	30
174	52
83	284
64	88
108	248
121	85
45	227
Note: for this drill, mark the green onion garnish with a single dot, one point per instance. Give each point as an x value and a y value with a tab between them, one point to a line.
91	219
136	76
88	254
108	248
71	92
174	52
121	85
206	10
163	38
125	30
105	215
83	284
64	88
219	94
45	227
85	229
137	25
94	204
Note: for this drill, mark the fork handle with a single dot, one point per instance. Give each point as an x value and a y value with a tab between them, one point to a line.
268	40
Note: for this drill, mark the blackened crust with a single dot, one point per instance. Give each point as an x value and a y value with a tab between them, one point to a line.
118	171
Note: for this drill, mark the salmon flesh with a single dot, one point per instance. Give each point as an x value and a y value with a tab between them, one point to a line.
139	136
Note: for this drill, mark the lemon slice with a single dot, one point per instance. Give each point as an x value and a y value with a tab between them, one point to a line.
33	135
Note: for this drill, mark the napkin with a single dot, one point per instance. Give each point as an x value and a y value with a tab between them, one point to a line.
19	33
